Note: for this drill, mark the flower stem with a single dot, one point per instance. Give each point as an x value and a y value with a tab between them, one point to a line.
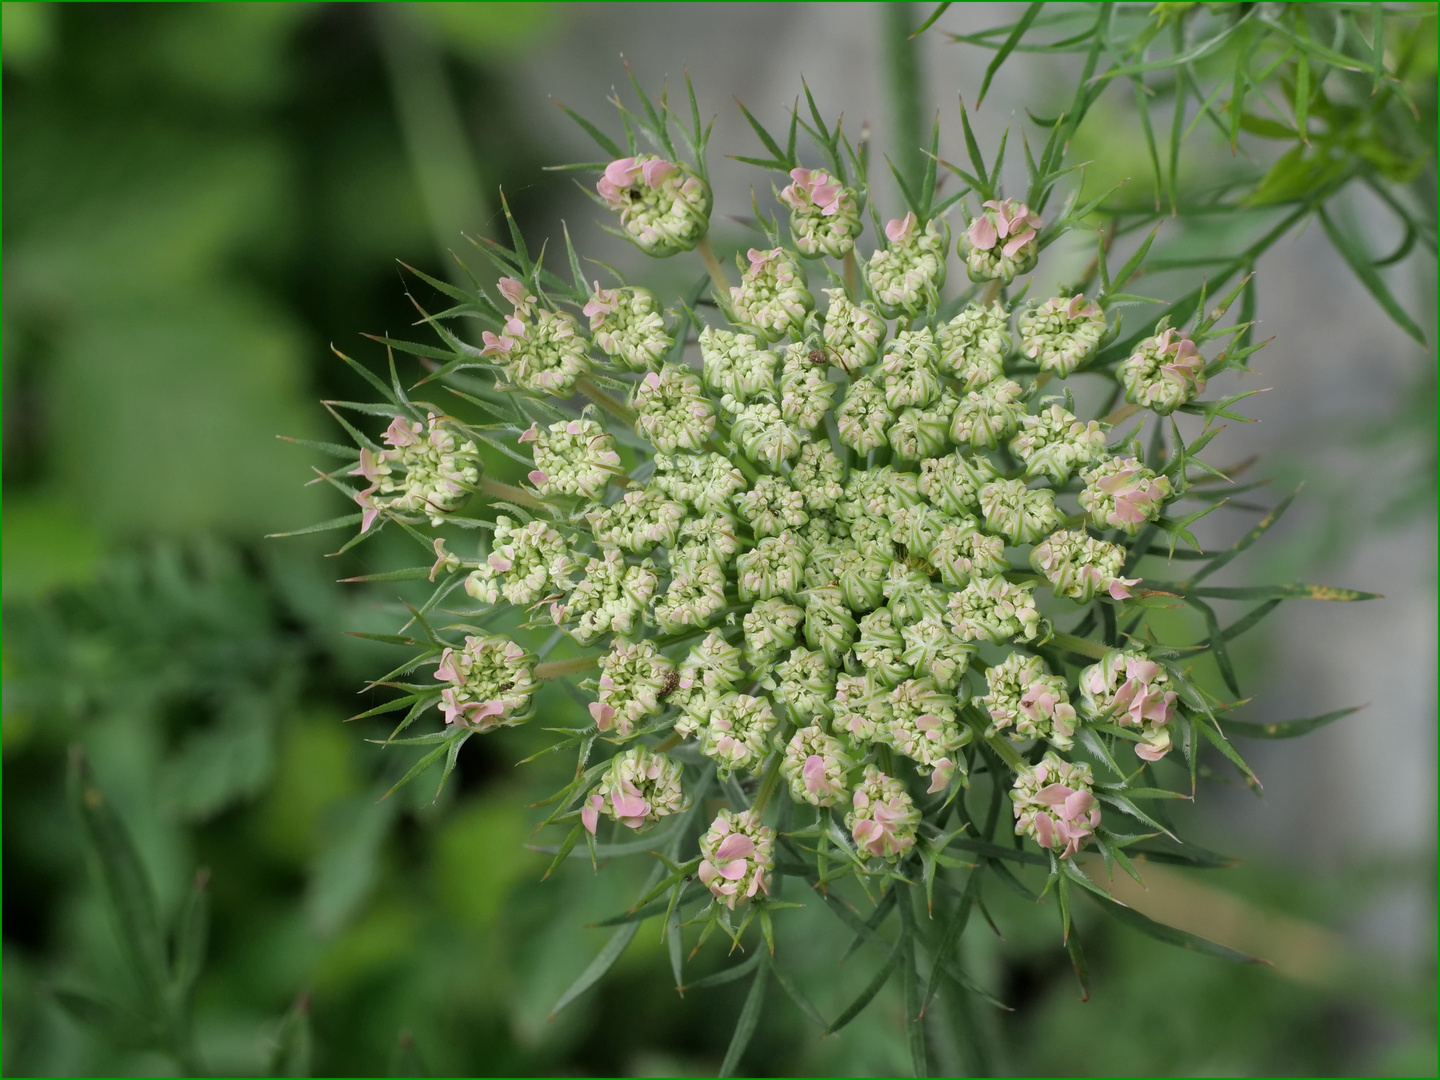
712	265
1083	646
768	783
613	406
1007	752
852	275
510	493
557	669
1120	415
670	741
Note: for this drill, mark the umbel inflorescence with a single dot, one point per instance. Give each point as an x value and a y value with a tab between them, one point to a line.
854	586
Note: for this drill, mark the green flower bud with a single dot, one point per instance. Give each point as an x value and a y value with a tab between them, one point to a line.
708	482
805	393
1053	444
972	346
906	276
818	476
771	627
829	627
573	457
923	725
933	648
673	412
612	597
642	518
1022	515
771	507
996	610
879	650
985	418
629	326
737	731
1062	334
806	684
737	365
695	596
771	297
761	431
962	551
909	367
952	483
852	333
633	675
924	432
863	419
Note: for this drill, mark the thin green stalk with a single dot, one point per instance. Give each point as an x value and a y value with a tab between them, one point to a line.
612	405
445	167
510	493
557	669
713	266
902	73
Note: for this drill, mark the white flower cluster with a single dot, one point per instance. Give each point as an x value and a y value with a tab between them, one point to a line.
787	557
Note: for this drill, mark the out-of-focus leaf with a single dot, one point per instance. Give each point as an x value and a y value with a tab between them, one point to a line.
1286	729
344	872
1171	935
1361	263
292	1050
129	895
749	1019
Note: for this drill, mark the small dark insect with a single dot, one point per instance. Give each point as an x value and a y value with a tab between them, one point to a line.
817	356
505	686
672	683
634	194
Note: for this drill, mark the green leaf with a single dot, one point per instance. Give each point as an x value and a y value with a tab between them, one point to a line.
934	15
334	523
749	1018
129	896
1212	732
293	1042
1216	642
1286	729
606	143
1360	262
192	932
914	1022
1171	935
1077	961
781	159
602	963
1297	591
1249	538
410	573
856	1007
1240	625
110	1021
1007	48
727	975
954	928
803	1003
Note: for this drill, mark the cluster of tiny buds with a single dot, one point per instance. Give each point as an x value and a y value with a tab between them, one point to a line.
760	583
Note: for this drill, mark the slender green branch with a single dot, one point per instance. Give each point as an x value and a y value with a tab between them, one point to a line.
713	266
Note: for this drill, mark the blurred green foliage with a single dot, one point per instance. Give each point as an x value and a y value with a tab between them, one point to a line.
198	199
